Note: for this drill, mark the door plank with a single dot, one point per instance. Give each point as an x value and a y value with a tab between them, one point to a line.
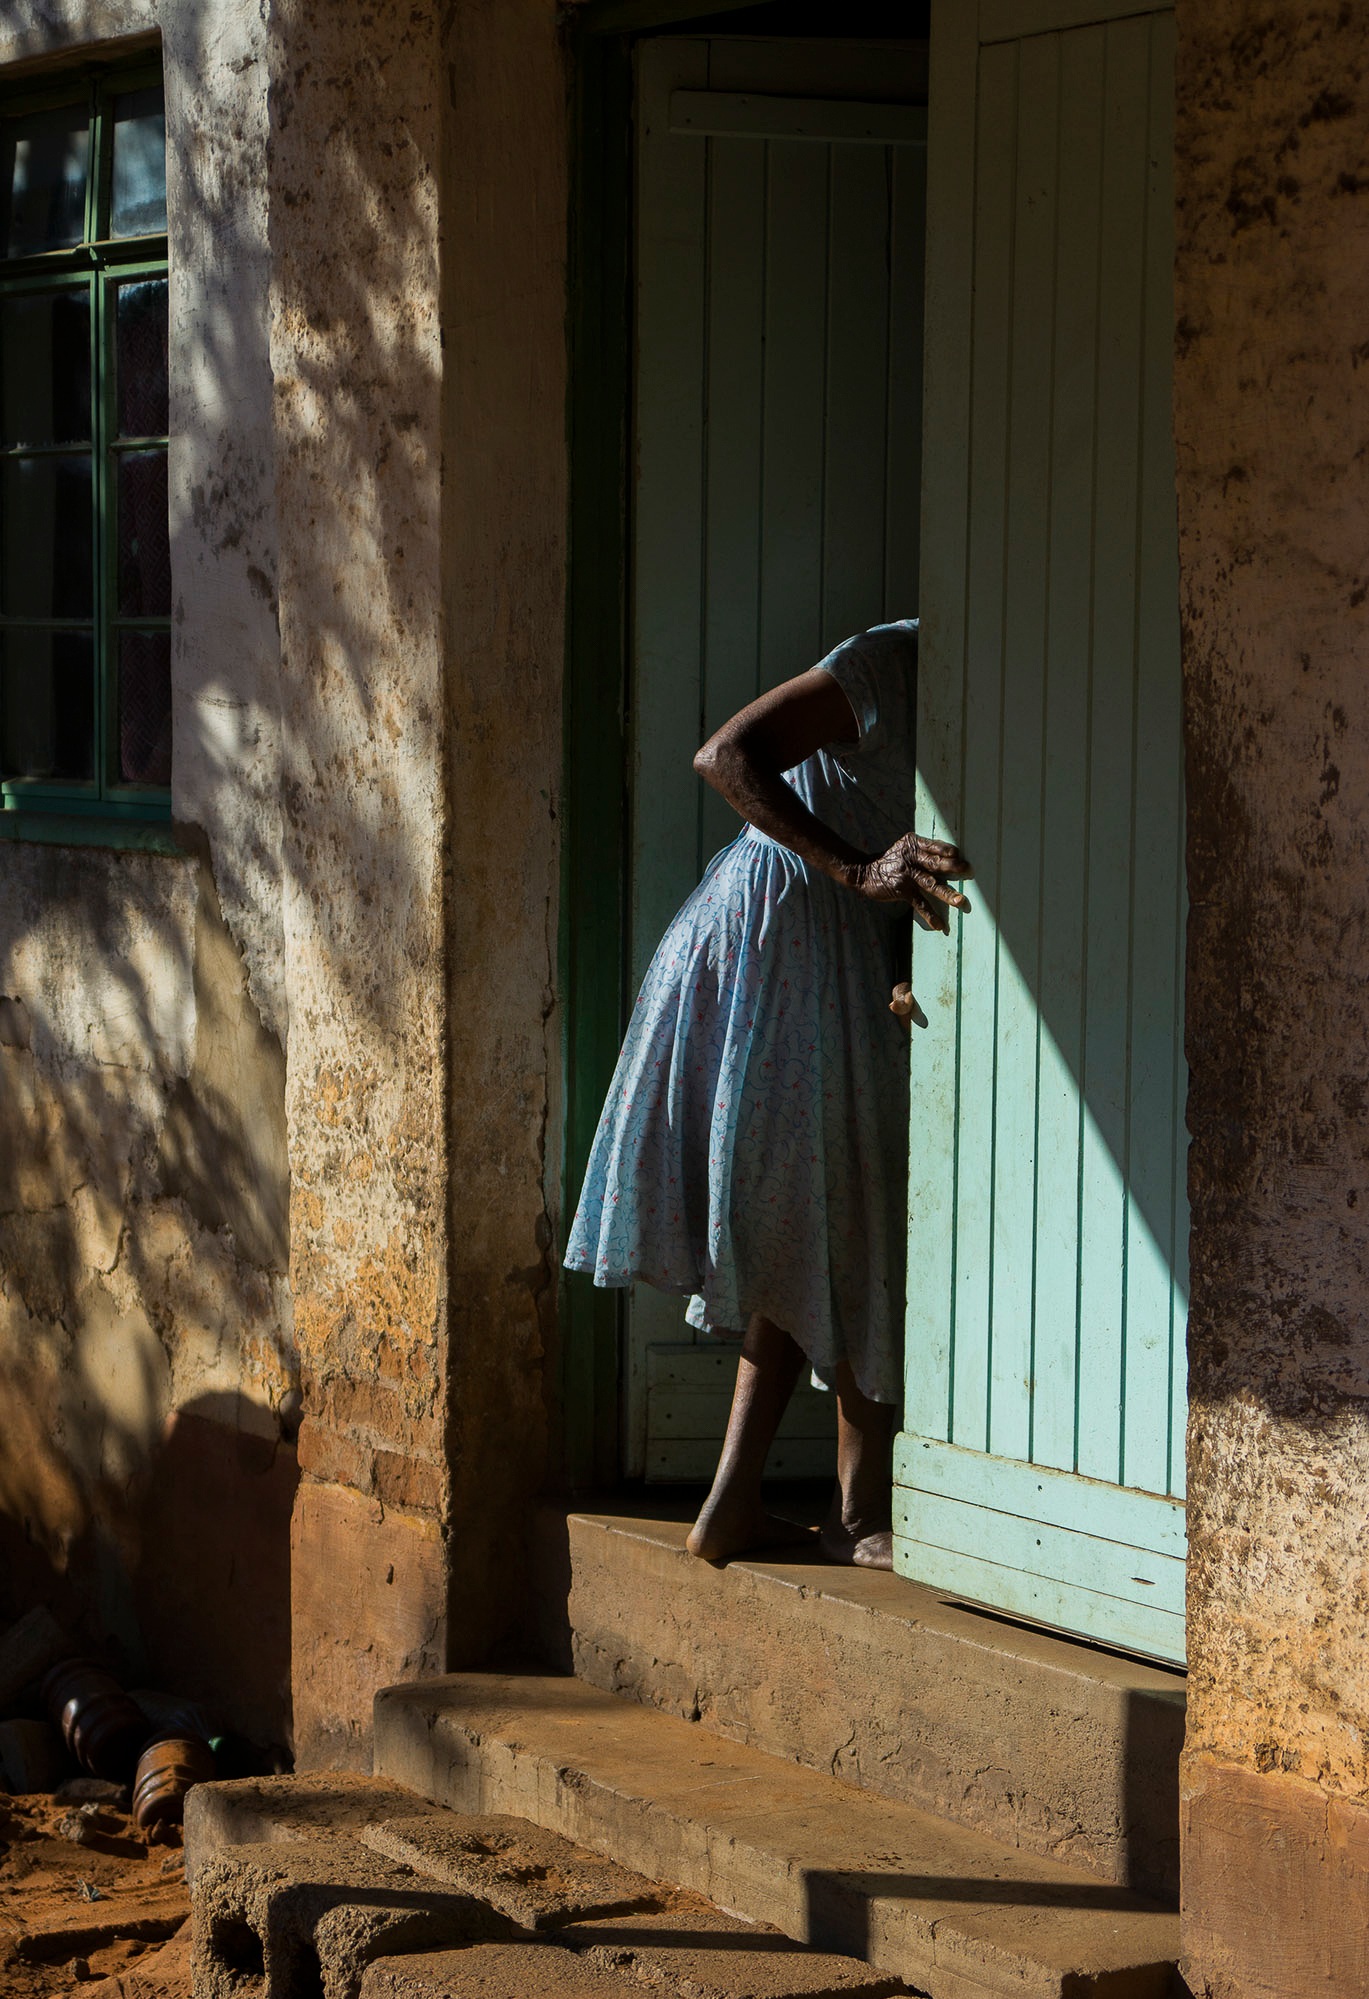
736	394
1103	1248
758	115
856	406
1035	1548
668	555
806	66
1131	1627
669	503
795	370
1065	758
1024	559
933	1183
903	391
979	941
1007	20
1156	1024
1035	1492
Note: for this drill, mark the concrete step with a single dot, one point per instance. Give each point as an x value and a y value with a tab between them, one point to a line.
353	1888
947	1910
1055	1746
674	1958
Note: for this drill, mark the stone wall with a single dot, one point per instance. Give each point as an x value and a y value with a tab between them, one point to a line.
417	237
504	309
145	1327
1272	361
356	352
251	1138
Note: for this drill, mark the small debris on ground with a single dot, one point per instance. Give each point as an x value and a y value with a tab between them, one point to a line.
87	1904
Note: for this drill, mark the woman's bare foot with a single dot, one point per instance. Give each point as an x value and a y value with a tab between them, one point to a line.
725	1528
732	1518
857	1547
858	1531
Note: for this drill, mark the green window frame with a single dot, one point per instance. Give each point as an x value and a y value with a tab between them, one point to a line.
85	700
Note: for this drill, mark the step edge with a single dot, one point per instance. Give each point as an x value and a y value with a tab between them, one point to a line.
421	1703
1073	1659
929	1729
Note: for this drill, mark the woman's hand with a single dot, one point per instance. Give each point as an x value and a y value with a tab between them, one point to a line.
904	1007
914	871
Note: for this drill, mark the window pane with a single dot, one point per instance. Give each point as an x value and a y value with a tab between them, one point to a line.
45	533
141	344
47	705
45	368
145	708
144	543
138	199
43	162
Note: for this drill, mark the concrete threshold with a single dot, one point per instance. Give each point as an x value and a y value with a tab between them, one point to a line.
1056	1746
940	1906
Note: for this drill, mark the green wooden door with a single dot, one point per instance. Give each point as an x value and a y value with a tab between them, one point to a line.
1041	1465
780	195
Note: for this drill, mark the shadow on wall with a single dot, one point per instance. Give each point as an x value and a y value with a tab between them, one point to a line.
145	1487
147	1329
182	1578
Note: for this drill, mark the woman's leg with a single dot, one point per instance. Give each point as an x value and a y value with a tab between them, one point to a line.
732	1517
859	1527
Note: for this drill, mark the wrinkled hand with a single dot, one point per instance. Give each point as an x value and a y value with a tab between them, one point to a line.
915	871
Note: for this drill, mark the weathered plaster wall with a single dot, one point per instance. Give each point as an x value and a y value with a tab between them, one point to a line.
1273	442
145	1338
505	317
417	234
357	101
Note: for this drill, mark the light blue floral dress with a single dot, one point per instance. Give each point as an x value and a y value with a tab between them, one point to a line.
752	1152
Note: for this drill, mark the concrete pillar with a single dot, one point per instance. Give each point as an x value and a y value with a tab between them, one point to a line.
418	229
1272	363
504	317
356	352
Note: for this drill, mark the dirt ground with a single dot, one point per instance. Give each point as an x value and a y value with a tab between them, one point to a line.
87	1905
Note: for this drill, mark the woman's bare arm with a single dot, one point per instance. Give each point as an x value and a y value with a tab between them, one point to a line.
746	760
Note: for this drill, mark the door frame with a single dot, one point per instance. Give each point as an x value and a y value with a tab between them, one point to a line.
594	791
592	943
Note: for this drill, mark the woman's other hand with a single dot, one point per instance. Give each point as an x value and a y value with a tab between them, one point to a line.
904	1007
915	871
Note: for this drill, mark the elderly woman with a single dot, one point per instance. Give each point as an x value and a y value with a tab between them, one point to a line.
752	1153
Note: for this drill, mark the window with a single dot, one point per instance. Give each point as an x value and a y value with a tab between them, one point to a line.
85	568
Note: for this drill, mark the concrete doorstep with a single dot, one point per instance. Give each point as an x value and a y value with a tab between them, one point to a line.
1029	1737
946	1910
353	1888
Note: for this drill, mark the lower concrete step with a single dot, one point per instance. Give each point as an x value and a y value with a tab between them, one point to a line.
571	1968
1035	1739
343	1887
948	1911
